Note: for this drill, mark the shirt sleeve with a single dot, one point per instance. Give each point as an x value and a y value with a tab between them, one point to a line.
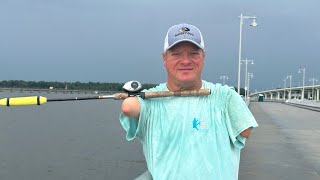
238	118
133	127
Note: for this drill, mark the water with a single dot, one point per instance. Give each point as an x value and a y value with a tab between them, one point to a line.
66	140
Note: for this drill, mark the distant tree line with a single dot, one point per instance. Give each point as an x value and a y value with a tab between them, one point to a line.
94	86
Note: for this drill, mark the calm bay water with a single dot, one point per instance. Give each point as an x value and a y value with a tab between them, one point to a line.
66	140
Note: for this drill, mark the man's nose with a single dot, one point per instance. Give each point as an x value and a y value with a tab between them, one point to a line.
186	57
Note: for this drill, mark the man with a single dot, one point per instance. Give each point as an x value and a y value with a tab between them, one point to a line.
189	137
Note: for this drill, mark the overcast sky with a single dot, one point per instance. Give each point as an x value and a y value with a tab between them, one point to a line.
122	40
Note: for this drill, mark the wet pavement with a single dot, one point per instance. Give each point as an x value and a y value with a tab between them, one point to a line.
284	146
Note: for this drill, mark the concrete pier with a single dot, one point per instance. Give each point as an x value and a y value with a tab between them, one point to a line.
284	146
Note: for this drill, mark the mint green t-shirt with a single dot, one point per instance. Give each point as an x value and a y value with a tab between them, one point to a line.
192	137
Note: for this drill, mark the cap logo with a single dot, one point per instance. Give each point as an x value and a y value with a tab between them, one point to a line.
184	30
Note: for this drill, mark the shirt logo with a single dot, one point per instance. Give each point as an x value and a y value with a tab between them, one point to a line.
199	124
195	123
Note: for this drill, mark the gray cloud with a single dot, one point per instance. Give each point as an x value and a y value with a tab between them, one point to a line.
116	41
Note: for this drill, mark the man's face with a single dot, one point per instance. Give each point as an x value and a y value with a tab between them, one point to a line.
184	63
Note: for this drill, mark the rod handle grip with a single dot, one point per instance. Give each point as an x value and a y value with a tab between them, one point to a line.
120	96
201	92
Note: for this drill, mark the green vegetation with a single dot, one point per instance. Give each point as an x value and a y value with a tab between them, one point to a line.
94	86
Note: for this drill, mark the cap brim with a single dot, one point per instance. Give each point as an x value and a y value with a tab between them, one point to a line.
184	40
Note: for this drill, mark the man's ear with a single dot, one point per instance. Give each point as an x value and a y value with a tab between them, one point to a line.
164	59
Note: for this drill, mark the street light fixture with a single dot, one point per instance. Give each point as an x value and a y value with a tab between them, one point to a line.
313	80
223	79
290	78
246	77
303	70
253	24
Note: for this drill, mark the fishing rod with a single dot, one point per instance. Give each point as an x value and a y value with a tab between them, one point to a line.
131	88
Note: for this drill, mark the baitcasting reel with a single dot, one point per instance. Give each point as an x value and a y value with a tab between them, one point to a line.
133	88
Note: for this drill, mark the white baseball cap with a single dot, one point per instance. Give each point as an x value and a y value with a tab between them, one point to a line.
183	32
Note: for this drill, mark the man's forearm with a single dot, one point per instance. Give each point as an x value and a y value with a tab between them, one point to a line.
245	133
131	107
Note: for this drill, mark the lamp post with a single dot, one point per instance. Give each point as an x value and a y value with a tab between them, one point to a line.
223	79
303	70
284	89
246	77
250	75
253	24
290	78
313	80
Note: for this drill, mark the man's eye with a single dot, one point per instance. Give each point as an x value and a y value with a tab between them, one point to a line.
194	53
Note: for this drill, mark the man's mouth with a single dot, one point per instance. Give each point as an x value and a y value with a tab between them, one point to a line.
185	69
